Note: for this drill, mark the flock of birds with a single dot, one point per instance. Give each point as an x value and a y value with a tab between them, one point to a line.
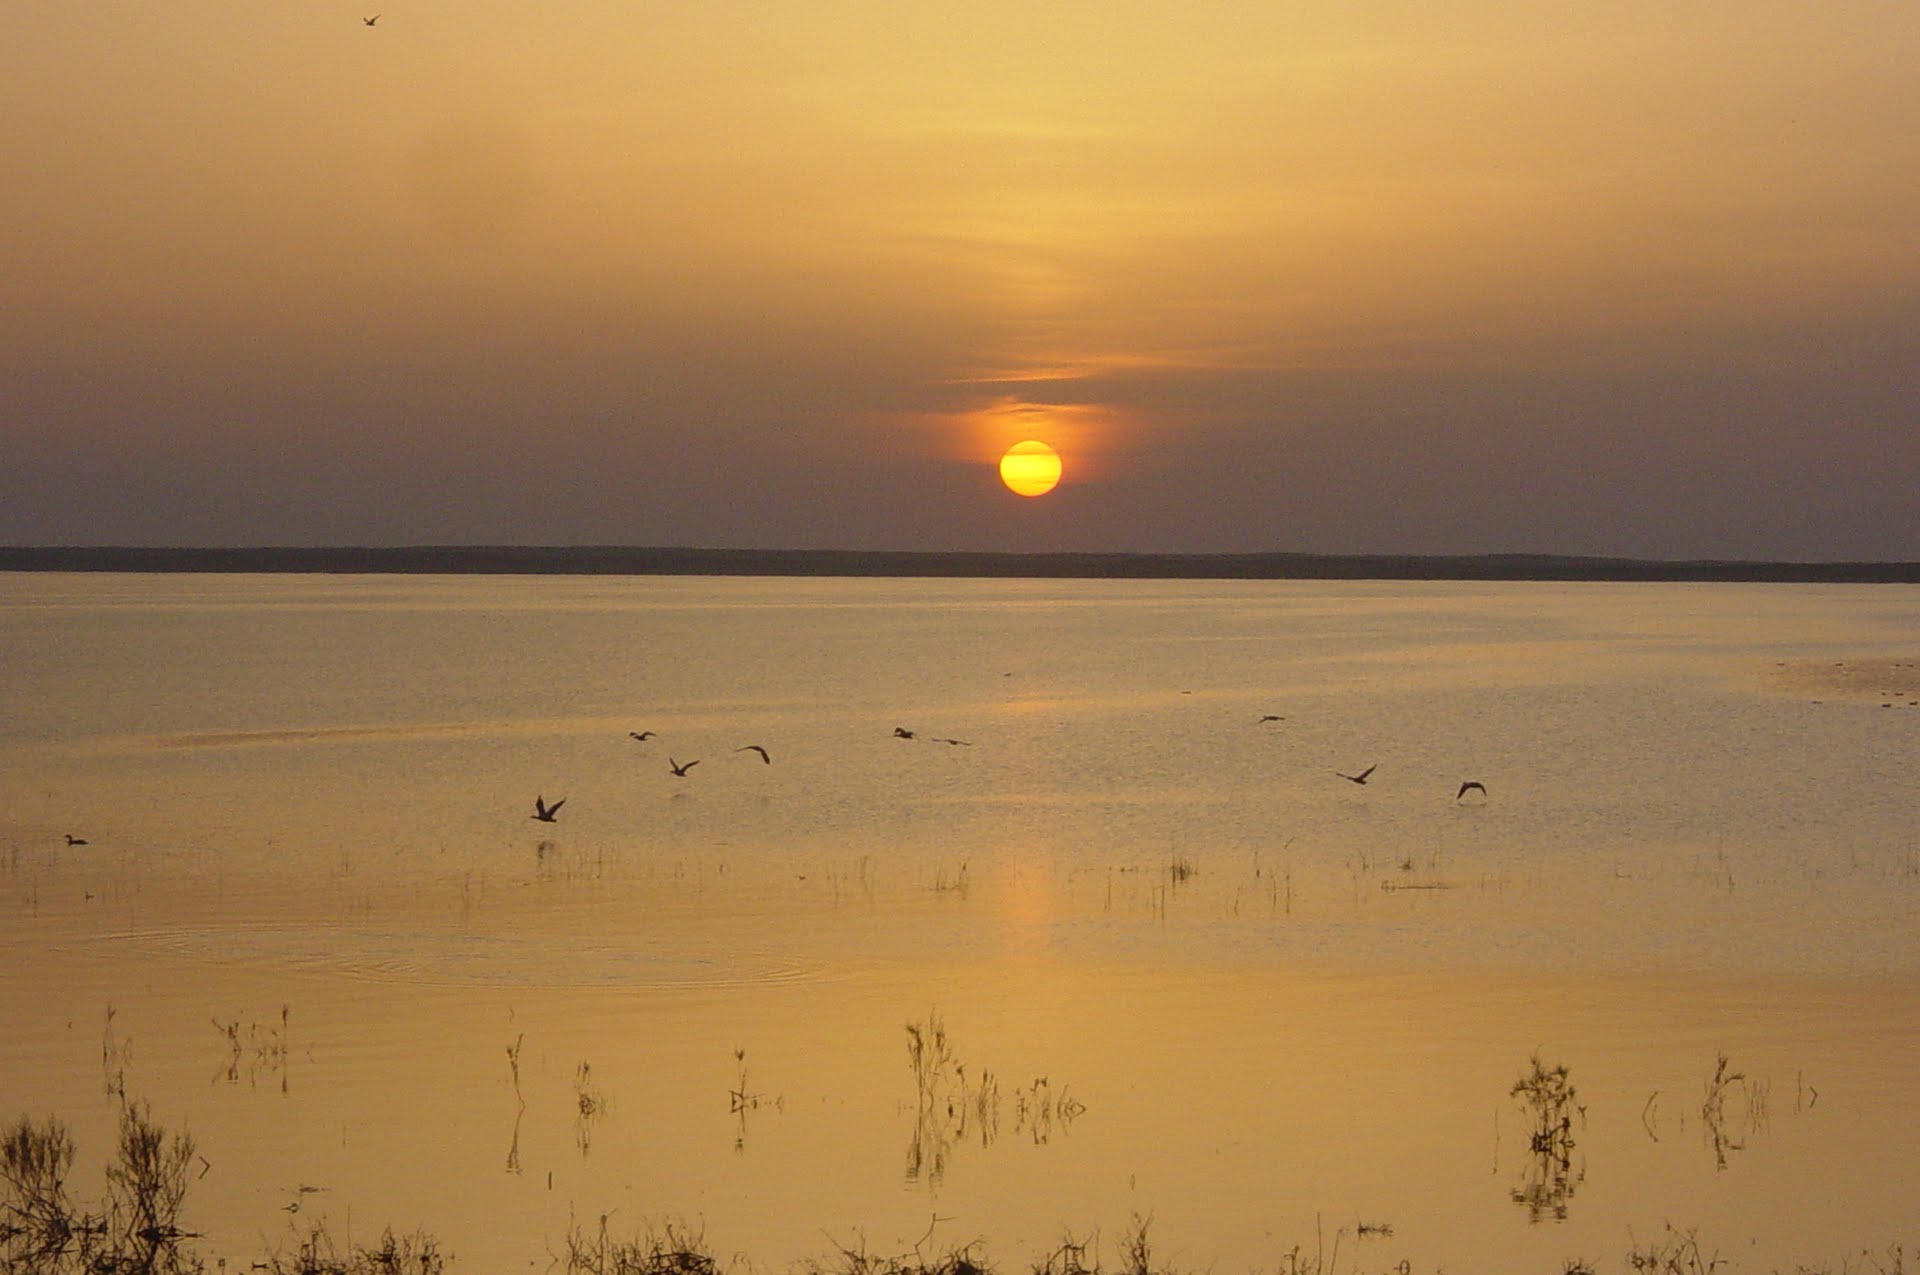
547	813
550	813
1471	785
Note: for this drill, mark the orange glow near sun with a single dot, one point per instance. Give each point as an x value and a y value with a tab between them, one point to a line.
1030	468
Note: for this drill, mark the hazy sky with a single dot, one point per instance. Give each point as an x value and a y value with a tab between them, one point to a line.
1615	277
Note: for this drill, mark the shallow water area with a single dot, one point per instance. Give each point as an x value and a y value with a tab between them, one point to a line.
1182	968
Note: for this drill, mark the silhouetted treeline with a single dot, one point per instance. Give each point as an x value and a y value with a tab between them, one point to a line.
635	560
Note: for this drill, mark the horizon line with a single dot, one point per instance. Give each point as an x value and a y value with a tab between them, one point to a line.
608	559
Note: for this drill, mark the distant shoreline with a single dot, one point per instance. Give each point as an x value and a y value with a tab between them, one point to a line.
639	560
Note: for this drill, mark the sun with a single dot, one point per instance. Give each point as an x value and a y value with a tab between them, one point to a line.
1030	468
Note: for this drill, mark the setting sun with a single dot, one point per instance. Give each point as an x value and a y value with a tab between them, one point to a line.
1030	468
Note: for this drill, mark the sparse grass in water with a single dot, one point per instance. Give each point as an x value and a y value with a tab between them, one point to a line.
1547	1094
956	884
137	1230
44	1231
671	1250
1549	1098
116	1053
947	1106
39	1219
740	1097
1727	1131
262	1051
1675	1253
147	1188
316	1253
858	1261
590	1105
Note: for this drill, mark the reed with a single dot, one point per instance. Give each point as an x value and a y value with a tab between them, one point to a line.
44	1232
259	1049
136	1229
39	1218
948	1106
315	1252
958	883
1725	1130
1551	1103
670	1250
1676	1252
859	1261
147	1188
590	1106
116	1052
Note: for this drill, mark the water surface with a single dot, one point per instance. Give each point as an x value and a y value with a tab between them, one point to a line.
1267	1004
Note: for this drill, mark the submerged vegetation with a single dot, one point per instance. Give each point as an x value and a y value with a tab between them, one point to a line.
1547	1096
137	1229
254	1052
667	1250
949	1108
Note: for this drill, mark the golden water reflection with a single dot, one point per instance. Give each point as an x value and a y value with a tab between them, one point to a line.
1181	969
1241	1107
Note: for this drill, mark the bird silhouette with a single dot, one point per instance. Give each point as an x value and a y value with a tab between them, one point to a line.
958	743
1272	717
642	735
1360	778
679	770
901	732
543	812
753	748
75	841
370	21
1469	786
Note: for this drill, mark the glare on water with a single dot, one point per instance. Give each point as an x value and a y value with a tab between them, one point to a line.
1180	968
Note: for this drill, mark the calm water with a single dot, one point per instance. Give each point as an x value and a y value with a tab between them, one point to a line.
1213	983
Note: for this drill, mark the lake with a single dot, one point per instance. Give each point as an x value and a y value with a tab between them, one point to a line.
1089	841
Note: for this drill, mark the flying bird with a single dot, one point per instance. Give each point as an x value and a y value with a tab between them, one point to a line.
370	21
642	735
1272	717
1470	786
543	812
1360	778
752	748
679	770
901	732
75	841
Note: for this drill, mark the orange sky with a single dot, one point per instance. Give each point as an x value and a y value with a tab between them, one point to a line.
1397	277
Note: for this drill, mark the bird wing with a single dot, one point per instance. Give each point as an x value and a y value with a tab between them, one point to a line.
554	809
1368	771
